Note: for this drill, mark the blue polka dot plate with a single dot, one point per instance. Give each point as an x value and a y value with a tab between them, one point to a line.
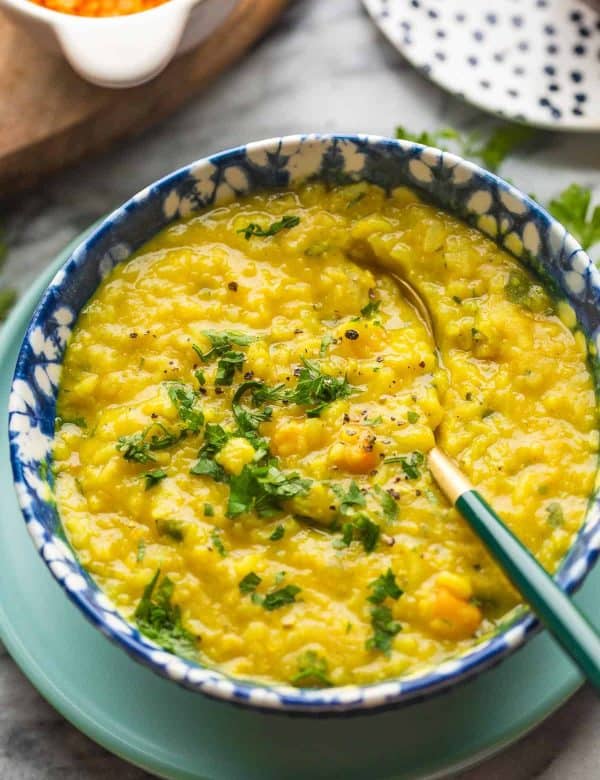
531	61
482	199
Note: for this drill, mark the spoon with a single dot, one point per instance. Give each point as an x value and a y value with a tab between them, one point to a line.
551	604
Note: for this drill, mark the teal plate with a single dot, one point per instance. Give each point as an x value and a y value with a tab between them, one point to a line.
178	734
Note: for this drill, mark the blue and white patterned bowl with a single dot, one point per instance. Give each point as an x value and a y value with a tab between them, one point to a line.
482	199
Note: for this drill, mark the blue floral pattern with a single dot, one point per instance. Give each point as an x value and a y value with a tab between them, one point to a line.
484	200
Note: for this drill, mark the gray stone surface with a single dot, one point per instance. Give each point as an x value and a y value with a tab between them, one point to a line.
323	68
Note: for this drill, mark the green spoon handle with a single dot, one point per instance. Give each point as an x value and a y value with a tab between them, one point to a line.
553	607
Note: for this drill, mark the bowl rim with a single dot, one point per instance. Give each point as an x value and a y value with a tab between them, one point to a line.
517	627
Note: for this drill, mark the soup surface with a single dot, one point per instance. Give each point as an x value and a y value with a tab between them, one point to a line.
244	413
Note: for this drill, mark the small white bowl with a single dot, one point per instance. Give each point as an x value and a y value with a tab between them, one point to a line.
121	51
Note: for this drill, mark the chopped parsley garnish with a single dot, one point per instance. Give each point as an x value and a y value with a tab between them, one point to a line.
246	418
373	420
137	446
227	365
207	467
370	309
262	489
199	374
367	532
317	389
222	342
263	394
385	585
347	536
185	400
172	528
154	477
410	463
277	533
162	436
361	529
572	208
249	583
141	550
412	417
280	598
385	629
555	514
388	504
252	229
209	510
217	543
160	620
215	438
353	496
312	671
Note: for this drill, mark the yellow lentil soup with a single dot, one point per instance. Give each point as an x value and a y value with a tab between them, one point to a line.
244	413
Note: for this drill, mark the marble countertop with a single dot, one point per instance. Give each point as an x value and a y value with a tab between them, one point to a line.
324	67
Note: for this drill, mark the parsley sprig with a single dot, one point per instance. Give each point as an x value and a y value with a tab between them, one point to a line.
160	620
185	399
385	629
263	488
388	504
362	529
217	543
317	389
221	342
359	526
215	438
229	359
274	599
249	419
385	585
249	583
491	149
154	477
312	671
350	497
253	229
370	309
280	597
411	464
572	208
137	446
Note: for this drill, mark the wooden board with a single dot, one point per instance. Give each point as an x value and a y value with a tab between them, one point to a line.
49	117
